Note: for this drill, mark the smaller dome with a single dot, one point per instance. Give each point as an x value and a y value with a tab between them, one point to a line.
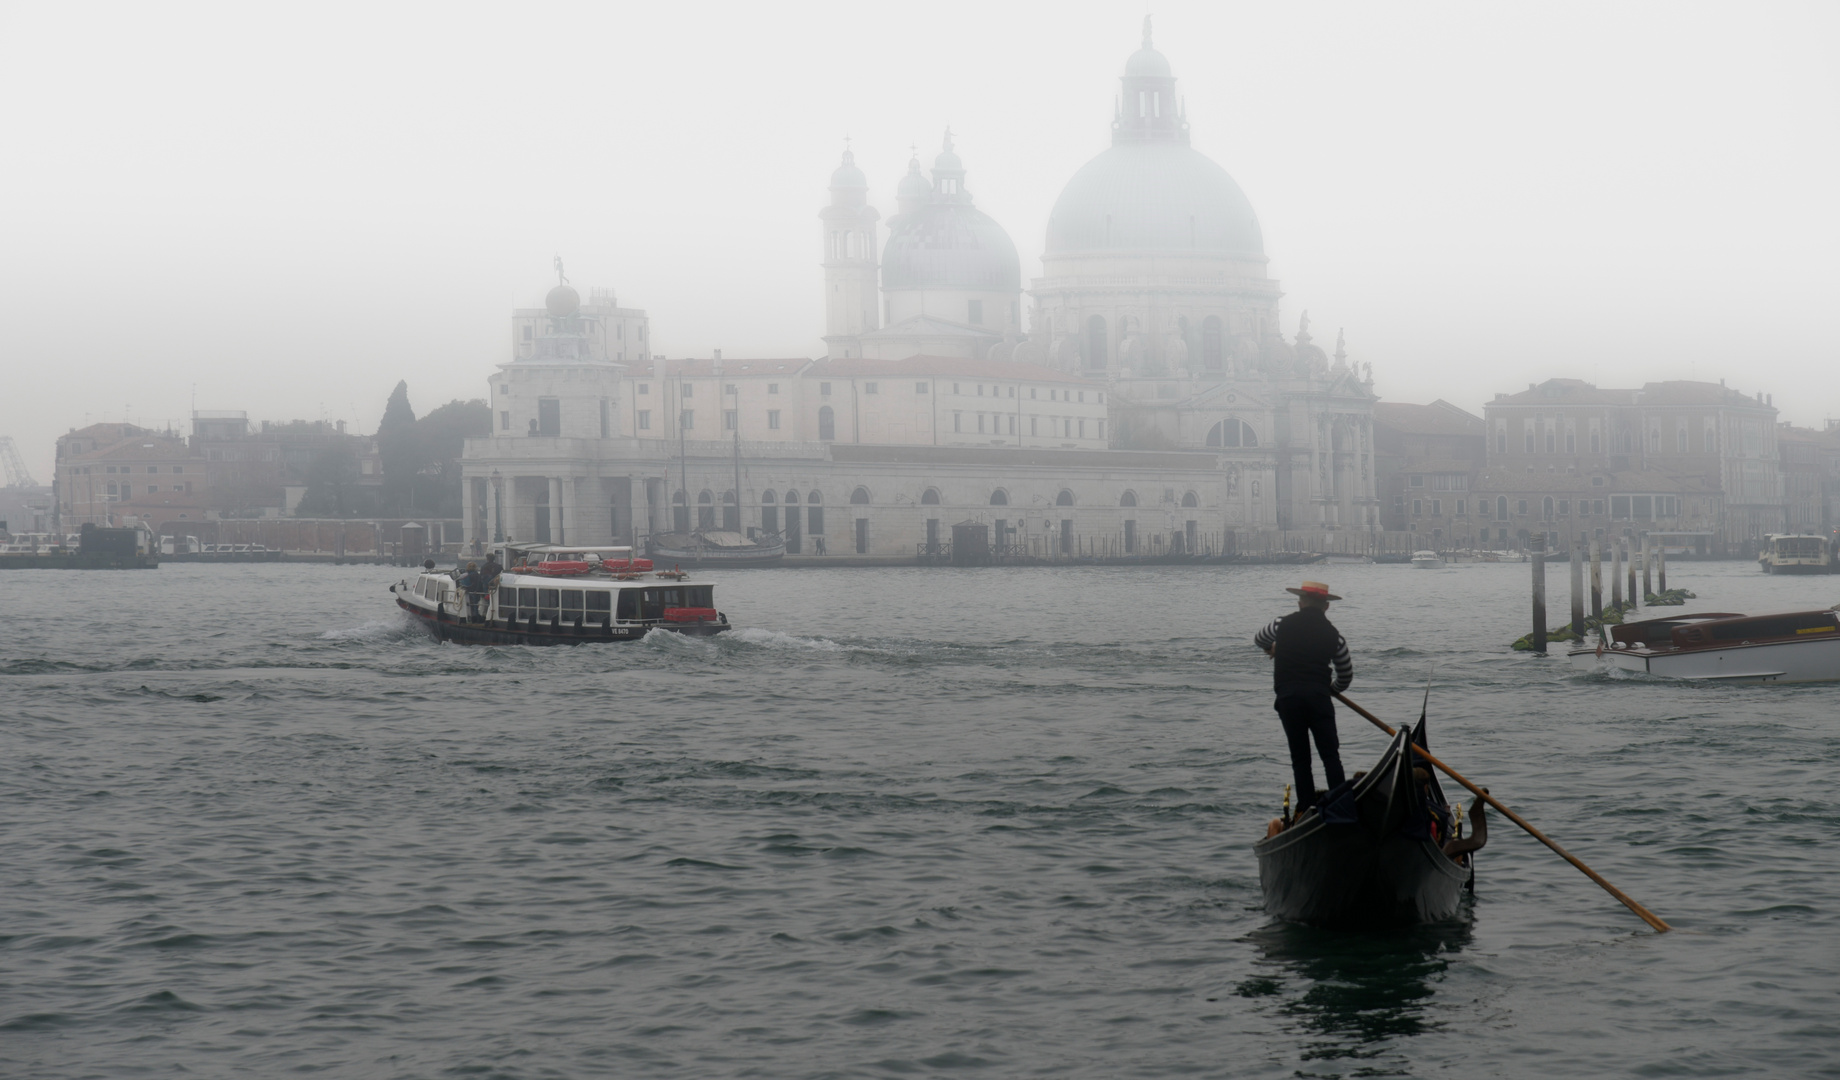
914	185
562	301
1147	61
848	175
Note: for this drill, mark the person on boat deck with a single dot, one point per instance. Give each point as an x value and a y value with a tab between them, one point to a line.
1305	647
475	586
491	570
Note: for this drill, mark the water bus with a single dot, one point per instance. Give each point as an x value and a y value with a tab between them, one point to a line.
1785	553
562	595
1789	647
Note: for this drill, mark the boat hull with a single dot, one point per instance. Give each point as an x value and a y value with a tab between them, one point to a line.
1814	660
472	633
1340	875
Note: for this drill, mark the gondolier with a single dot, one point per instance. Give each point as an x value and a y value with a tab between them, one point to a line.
1305	647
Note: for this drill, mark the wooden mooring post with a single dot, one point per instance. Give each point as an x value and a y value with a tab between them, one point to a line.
1539	599
1597	579
1635	598
1616	572
1648	568
1577	588
1661	565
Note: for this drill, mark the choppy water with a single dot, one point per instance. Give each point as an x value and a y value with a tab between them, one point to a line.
905	823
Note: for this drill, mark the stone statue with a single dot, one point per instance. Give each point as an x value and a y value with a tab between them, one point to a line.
1233	479
1177	352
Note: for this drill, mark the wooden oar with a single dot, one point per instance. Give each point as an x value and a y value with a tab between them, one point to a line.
1648	916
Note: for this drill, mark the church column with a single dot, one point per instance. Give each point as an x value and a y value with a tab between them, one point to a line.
556	533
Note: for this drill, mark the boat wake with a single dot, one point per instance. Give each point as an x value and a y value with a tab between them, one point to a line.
376	630
774	639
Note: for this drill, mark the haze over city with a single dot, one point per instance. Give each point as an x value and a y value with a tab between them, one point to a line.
286	211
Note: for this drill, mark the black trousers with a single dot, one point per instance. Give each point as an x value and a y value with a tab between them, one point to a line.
1306	714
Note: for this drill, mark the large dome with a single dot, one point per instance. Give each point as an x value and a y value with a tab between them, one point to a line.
949	246
1153	197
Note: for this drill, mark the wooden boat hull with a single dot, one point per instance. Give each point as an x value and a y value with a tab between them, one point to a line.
1368	867
1815	660
500	633
676	549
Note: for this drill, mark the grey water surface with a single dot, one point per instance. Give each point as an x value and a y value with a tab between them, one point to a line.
904	822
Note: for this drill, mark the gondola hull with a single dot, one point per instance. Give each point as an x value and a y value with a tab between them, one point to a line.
1367	863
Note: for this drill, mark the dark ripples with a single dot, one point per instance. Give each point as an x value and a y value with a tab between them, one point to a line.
905	823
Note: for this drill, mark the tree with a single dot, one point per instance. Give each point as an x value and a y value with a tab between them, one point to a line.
399	445
442	436
332	484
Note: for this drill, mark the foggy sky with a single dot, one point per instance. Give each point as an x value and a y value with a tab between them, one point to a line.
285	210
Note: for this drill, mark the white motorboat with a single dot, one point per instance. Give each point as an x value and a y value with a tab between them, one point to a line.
1427	560
1788	647
1795	554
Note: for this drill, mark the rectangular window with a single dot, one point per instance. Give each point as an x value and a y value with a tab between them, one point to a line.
1597	507
571	605
731	389
1418	507
1501	443
869	388
1012	425
599	605
1082	427
645	419
605	419
177	469
548	601
1437	507
958	422
919	388
772	388
1596	442
1565	508
728	419
1683	440
1520	507
980	389
549	416
1482	508
824	389
974	312
1709	440
1643	507
153	468
1530	440
527	332
772	419
1102	429
687	420
980	423
1571	442
1462	508
645	389
1032	428
1031	392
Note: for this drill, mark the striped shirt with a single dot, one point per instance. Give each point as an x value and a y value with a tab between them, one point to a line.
1338	657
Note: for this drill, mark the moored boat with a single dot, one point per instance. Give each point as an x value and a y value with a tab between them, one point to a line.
1427	560
1369	853
711	549
1793	646
557	595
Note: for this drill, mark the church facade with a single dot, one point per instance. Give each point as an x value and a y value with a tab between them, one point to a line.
1139	395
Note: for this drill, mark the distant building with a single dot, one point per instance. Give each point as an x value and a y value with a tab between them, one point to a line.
1811	478
1428	456
1676	456
107	473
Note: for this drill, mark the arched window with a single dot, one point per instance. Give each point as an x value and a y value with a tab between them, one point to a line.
1231	433
827	424
769	513
815	498
1188	499
1212	356
999	497
767	498
860	497
706	510
731	512
929	497
814	515
1096	351
1129	498
1065	498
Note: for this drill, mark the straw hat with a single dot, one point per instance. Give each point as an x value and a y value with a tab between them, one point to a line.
1314	588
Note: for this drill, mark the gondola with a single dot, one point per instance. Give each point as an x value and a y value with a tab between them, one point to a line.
1369	853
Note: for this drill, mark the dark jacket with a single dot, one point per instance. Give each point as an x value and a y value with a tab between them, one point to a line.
491	571
1305	645
472	582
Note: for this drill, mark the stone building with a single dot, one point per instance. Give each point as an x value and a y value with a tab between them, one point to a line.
1427	456
1150	385
1679	456
107	473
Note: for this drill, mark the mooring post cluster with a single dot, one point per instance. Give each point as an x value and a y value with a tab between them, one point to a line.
1597	580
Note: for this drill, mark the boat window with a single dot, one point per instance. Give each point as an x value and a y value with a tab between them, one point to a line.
527	603
507	602
598	604
700	596
546	603
1813	622
629	604
571	603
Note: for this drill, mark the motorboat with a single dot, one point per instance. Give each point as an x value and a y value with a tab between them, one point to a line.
1427	560
1369	852
717	549
1787	647
556	595
1795	554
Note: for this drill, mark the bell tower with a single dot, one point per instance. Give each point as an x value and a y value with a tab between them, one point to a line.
850	270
